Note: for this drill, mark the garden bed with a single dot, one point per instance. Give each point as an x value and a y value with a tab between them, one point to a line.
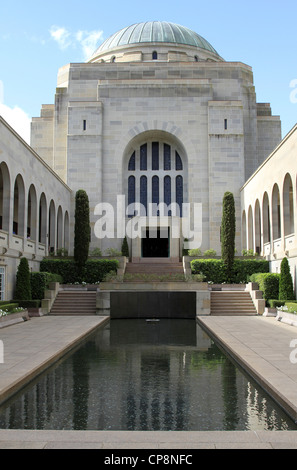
13	318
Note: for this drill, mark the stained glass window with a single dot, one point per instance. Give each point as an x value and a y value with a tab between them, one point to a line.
178	162
167	192
155	156
143	192
131	165
179	193
143	157
167	157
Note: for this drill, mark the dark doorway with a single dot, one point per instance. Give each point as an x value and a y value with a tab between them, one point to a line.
156	243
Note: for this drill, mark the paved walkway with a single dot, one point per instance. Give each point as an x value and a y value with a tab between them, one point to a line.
261	344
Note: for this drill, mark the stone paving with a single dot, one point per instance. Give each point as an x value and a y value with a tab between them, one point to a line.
261	344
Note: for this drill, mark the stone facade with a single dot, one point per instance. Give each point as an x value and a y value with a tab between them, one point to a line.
268	206
35	207
208	110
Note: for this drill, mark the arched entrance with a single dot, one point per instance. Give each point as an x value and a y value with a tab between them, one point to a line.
155	185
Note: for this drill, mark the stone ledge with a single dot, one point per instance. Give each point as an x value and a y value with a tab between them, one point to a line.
14	318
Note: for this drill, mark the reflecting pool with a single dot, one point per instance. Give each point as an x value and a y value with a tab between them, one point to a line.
145	375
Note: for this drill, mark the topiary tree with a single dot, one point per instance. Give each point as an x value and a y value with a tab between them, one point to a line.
286	291
82	229
23	283
228	233
125	248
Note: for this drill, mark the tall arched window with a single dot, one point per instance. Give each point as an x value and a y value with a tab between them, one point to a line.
288	206
179	191
143	192
155	175
266	220
276	214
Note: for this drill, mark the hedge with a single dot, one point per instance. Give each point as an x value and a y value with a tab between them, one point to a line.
9	306
214	270
28	303
92	273
268	284
40	282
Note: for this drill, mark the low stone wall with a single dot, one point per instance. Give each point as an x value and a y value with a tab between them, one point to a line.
14	318
189	298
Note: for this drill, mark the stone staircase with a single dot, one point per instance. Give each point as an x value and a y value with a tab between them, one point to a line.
74	302
231	303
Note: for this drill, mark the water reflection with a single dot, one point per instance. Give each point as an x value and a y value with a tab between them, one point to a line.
138	375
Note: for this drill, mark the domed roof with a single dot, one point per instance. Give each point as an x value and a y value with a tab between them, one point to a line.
155	31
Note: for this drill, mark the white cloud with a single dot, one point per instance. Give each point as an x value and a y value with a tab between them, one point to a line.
61	36
86	40
16	117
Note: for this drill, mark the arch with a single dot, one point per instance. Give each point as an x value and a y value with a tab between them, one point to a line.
250	232
42	226
155	55
288	206
32	213
257	222
52	227
19	207
243	231
157	156
66	232
59	236
266	219
276	213
5	185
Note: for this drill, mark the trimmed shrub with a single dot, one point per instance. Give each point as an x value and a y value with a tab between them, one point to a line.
9	305
125	248
268	284
274	303
23	285
82	229
228	234
28	303
40	282
215	270
286	291
93	271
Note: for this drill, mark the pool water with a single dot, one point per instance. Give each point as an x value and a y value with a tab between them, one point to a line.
145	375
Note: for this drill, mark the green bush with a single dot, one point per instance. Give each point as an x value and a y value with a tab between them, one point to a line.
9	305
125	248
228	229
215	270
286	291
23	285
210	253
40	282
273	303
194	252
268	284
93	271
82	230
28	303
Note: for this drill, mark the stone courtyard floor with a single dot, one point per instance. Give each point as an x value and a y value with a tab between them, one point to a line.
261	345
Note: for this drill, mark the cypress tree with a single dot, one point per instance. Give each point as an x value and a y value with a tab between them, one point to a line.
228	233
23	283
286	291
125	248
82	229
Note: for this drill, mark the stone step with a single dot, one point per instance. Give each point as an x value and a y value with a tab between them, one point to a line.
74	303
228	303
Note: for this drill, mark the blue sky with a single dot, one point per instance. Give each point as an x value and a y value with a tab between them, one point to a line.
39	37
